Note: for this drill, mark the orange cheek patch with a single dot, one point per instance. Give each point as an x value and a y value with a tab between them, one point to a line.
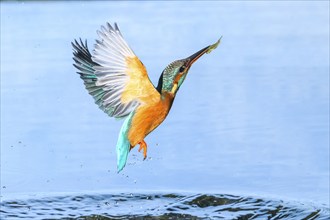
175	83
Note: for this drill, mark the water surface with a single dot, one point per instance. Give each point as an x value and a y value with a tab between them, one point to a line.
159	206
250	121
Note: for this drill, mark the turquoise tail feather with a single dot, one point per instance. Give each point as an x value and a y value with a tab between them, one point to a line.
123	144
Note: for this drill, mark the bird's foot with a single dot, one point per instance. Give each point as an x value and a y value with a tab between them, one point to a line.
143	146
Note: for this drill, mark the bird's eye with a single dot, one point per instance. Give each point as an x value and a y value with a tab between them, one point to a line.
182	68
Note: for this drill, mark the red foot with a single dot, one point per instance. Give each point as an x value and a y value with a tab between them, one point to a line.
143	145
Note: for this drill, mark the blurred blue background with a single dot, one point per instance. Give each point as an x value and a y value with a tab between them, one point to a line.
252	117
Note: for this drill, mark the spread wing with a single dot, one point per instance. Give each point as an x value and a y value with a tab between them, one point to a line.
113	75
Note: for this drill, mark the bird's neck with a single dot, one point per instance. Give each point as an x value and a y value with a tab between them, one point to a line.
160	84
167	98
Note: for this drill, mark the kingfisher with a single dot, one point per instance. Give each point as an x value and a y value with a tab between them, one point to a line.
118	81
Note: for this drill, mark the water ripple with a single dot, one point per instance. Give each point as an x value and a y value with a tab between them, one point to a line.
159	206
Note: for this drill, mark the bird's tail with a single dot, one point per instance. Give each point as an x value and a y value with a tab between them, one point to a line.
123	144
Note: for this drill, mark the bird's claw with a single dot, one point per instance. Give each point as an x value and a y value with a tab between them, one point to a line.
143	146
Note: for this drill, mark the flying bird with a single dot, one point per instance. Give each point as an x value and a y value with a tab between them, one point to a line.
120	86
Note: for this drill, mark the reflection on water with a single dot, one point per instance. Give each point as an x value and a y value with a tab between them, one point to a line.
159	206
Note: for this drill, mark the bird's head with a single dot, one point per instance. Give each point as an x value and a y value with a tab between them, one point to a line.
175	73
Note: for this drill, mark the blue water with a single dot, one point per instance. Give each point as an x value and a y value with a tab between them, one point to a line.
250	122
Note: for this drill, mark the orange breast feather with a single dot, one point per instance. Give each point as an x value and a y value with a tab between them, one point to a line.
147	117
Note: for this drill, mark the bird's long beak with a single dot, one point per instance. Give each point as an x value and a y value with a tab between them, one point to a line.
200	53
